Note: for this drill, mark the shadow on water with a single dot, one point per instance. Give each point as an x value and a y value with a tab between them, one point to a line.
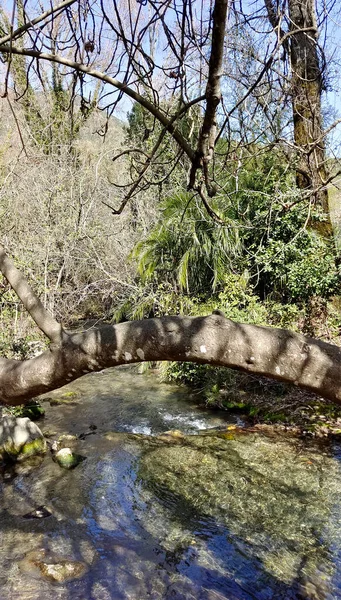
204	517
134	561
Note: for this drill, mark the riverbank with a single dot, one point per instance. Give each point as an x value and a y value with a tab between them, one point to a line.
284	408
257	400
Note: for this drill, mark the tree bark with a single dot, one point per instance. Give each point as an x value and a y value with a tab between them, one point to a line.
307	86
207	136
215	340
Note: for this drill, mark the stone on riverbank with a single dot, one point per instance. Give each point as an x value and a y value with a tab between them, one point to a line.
20	438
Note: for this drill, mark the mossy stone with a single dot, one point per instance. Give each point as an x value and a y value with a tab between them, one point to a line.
20	438
71	398
36	446
68	459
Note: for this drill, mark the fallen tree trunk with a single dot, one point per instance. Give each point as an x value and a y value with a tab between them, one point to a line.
215	340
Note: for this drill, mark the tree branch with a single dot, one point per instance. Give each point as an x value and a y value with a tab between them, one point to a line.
214	216
135	184
18	32
207	136
46	323
158	114
277	353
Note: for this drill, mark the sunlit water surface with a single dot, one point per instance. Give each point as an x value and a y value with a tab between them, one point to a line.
225	515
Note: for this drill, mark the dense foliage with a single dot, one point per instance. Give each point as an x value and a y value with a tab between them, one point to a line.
262	264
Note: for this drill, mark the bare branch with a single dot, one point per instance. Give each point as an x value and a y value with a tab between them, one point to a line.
207	137
208	208
135	185
52	11
46	323
158	114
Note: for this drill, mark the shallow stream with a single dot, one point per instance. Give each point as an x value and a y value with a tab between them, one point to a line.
223	515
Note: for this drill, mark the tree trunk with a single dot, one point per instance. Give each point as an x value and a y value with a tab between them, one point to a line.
215	340
307	86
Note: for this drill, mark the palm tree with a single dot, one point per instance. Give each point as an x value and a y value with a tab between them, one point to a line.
188	249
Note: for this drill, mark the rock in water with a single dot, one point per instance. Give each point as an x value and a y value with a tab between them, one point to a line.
41	512
62	571
68	459
42	564
20	438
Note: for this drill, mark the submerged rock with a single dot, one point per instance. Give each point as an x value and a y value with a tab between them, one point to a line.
62	571
41	512
64	441
70	398
172	435
51	567
271	495
20	438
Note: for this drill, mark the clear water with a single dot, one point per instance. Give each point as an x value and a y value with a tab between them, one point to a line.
225	515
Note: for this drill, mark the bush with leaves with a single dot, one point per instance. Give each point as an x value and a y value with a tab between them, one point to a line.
187	249
262	267
287	261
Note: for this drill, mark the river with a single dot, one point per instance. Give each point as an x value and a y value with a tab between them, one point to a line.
207	516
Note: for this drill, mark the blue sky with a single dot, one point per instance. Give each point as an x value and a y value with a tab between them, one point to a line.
332	99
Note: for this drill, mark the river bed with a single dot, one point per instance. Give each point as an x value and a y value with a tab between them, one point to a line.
151	515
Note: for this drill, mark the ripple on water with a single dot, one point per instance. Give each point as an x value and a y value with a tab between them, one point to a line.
201	517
